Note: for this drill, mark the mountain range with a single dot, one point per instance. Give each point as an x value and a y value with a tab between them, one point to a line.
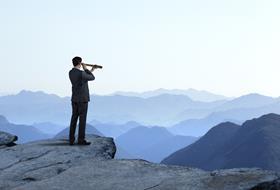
37	107
49	127
181	114
237	110
151	143
114	130
197	95
25	133
253	144
89	130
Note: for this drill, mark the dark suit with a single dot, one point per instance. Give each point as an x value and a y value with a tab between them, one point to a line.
80	98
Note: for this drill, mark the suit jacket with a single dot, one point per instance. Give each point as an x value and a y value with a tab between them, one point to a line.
79	80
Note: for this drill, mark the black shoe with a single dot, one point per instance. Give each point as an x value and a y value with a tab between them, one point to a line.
84	142
71	142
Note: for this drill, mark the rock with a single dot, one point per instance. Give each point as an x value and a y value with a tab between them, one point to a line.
270	185
53	164
40	160
6	139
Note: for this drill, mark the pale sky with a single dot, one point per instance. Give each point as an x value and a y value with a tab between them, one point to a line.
229	47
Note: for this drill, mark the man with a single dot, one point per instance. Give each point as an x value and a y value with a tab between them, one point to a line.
80	98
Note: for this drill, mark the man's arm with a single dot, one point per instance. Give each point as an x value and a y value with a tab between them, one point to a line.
87	75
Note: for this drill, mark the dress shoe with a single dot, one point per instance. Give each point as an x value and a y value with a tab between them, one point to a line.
84	142
71	142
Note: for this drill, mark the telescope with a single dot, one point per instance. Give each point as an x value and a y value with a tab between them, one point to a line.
95	66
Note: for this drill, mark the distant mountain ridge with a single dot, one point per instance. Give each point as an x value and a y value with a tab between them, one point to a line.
25	133
237	110
248	101
41	107
196	95
151	143
163	110
254	144
48	127
114	130
64	134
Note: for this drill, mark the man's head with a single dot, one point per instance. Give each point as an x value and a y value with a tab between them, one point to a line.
77	61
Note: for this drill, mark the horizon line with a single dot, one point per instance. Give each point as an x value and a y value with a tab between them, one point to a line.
2	94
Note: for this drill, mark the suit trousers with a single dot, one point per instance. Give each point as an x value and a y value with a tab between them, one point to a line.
79	111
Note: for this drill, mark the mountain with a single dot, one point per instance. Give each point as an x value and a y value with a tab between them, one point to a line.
25	133
3	120
138	139
254	144
197	95
160	150
115	130
122	154
165	109
248	101
94	122
237	111
243	114
36	107
159	110
200	153
199	127
151	143
48	127
89	130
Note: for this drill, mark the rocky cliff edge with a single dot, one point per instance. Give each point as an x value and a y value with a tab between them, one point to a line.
54	165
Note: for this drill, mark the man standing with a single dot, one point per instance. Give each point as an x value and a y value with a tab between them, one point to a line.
80	98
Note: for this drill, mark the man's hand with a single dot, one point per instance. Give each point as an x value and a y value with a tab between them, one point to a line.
84	66
92	68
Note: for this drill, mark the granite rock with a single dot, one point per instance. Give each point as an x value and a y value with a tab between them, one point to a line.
7	139
54	165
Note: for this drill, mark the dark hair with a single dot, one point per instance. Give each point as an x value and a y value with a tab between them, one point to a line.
76	61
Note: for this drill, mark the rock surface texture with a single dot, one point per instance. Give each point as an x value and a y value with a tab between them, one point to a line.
6	139
53	164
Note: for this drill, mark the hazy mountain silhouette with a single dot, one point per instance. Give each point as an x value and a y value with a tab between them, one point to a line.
115	130
151	143
248	101
139	138
243	114
237	111
30	107
160	150
198	127
197	95
25	133
166	109
33	107
161	110
254	144
89	130
48	128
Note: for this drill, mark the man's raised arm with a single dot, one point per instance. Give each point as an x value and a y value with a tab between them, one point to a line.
87	75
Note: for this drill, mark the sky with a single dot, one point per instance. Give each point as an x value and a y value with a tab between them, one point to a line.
227	47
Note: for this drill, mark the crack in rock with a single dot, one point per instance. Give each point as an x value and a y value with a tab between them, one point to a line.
152	187
26	159
46	166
